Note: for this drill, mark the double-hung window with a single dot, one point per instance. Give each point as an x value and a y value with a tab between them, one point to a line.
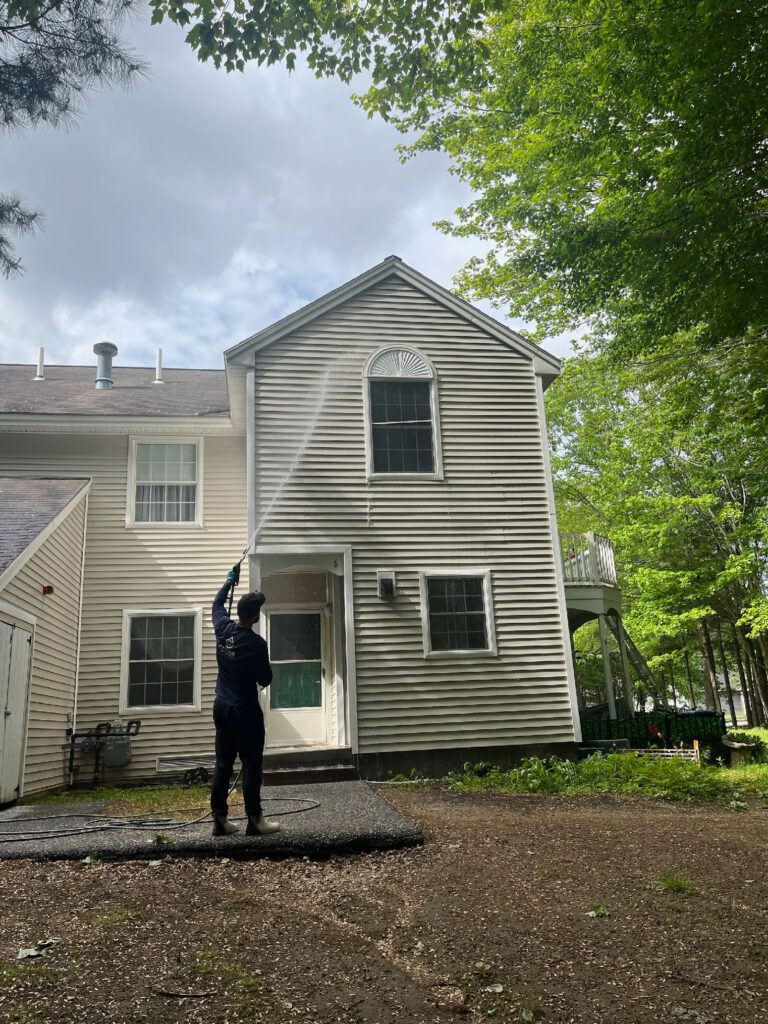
161	659
457	613
401	414
165	483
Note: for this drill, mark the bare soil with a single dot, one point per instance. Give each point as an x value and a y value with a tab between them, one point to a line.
487	921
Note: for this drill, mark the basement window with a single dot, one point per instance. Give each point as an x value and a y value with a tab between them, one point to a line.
161	659
457	616
164	483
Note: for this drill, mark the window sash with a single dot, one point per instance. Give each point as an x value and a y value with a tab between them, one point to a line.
457	613
161	661
166	483
402	433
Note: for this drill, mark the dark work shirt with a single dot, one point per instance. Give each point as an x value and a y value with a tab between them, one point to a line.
241	655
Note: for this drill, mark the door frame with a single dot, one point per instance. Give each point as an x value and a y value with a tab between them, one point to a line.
27	623
325	555
327	663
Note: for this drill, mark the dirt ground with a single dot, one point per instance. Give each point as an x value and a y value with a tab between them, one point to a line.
487	921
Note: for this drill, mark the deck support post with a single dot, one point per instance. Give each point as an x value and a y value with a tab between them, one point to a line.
624	665
607	675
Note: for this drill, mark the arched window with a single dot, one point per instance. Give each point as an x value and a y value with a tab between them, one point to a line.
402	425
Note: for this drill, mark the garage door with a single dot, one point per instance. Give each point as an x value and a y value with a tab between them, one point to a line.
15	648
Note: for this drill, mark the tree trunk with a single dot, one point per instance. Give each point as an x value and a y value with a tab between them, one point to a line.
691	694
751	721
749	668
710	683
761	682
726	676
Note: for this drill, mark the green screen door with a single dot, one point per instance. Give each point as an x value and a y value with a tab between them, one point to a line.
295	653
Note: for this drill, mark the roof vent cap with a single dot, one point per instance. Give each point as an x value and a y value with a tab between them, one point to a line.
106	352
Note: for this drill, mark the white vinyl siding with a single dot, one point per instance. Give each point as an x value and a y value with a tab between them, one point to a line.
156	567
488	513
56	563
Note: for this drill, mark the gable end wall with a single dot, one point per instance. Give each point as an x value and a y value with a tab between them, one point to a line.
489	512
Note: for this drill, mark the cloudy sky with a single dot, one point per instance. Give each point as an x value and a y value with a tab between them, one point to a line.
199	207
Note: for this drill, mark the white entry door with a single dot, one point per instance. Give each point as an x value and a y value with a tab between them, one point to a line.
298	699
15	647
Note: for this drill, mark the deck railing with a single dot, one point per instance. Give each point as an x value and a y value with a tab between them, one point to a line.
587	560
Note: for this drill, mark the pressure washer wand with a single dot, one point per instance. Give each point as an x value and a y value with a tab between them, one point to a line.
233	578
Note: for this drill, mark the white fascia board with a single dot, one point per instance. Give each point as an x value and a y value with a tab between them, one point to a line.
545	364
22	423
45	533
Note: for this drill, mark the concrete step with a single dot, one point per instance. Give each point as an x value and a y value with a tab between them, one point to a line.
299	775
306	757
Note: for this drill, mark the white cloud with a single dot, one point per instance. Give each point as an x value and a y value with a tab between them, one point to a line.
199	207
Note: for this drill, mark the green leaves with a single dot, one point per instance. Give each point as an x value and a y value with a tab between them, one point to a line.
598	911
667	457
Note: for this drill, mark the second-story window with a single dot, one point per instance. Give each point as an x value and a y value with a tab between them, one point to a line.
403	430
166	483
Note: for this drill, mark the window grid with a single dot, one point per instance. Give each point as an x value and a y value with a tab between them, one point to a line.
401	427
166	483
161	660
457	615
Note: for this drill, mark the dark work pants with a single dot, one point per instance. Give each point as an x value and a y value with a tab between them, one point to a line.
239	732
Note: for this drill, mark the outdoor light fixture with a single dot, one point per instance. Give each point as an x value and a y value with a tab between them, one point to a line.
386	583
47	588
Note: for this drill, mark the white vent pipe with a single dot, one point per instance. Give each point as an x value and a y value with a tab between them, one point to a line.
40	364
159	368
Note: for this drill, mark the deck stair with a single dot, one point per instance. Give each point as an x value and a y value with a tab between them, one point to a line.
638	661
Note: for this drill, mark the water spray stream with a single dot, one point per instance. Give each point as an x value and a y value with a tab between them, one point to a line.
303	445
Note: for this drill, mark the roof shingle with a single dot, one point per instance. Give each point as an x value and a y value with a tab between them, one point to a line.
69	390
27	506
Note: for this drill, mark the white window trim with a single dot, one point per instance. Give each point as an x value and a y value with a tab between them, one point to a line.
130	503
490	624
174	709
437	440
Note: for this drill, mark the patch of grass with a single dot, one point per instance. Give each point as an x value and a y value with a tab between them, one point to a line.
132	799
663	779
671	881
113	917
25	972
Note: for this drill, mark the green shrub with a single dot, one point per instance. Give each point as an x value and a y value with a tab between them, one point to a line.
760	753
668	778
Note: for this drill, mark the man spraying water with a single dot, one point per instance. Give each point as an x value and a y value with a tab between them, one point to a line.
244	666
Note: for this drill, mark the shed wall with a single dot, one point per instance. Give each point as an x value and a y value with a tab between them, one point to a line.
57	562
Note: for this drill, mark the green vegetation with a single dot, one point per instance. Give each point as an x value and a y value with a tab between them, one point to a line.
757	736
663	779
668	456
671	881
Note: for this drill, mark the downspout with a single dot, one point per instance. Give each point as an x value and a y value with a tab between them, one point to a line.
79	626
254	575
559	582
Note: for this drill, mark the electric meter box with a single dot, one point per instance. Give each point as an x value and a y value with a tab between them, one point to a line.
117	751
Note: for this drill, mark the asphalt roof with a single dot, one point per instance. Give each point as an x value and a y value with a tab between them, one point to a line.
27	506
69	390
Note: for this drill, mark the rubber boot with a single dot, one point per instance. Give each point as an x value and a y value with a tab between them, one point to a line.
261	827
223	827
